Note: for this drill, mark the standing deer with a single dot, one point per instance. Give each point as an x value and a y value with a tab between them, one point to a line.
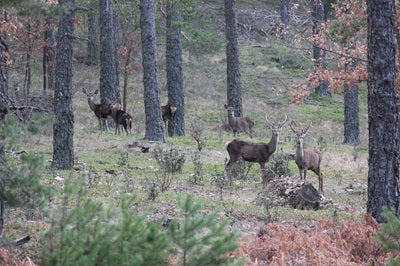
254	152
168	115
239	124
121	118
102	110
309	159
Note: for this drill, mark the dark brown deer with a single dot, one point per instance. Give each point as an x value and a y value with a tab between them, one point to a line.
254	152
102	111
121	118
309	159
168	115
239	124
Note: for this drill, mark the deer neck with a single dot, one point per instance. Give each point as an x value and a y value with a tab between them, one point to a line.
92	105
300	151
231	119
273	143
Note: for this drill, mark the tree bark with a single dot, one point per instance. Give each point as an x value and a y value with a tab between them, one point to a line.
92	49
116	45
154	125
383	120
318	17
285	9
109	92
49	55
3	112
63	129
174	67
234	84
351	121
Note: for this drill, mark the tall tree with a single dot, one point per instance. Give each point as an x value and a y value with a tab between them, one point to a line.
174	67
154	125
383	120
285	9
318	18
109	91
234	84
63	129
351	121
3	112
116	45
92	49
49	54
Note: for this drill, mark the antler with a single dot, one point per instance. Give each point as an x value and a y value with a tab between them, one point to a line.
271	125
306	130
291	126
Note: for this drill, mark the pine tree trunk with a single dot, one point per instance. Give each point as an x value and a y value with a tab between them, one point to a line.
49	55
154	125
3	112
383	120
351	121
109	92
318	17
234	86
63	129
116	45
285	9
174	67
91	58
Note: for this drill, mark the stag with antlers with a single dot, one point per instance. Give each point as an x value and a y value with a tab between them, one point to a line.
239	124
102	111
309	159
254	152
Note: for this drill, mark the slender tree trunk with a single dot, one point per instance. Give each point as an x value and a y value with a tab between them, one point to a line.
109	92
285	9
49	55
3	112
92	48
154	125
351	121
116	45
234	89
28	71
318	17
127	62
63	129
174	67
383	121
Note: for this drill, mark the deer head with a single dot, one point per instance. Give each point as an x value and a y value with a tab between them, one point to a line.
299	135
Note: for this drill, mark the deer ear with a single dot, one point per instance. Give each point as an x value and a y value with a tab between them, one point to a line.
96	91
84	90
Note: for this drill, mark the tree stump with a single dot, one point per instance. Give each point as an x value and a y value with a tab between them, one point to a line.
306	198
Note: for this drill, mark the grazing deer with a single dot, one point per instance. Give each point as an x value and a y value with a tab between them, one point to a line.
121	118
254	152
309	159
239	124
168	115
102	110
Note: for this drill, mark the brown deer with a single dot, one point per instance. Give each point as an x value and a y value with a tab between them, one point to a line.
309	159
239	124
254	152
168	115
102	111
121	118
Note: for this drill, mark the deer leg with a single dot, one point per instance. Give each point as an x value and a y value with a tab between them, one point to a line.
264	174
305	173
228	170
301	173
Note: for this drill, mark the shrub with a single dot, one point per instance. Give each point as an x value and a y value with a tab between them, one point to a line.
199	239
278	166
220	181
170	160
197	176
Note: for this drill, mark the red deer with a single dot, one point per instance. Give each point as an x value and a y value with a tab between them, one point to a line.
309	159
254	152
102	110
239	124
168	115
121	118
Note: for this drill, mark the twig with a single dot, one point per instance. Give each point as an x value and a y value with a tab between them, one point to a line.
22	240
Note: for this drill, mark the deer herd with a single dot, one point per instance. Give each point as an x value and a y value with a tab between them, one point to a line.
306	159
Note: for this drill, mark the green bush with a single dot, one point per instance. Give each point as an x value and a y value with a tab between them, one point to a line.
202	42
389	237
170	160
199	239
278	166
